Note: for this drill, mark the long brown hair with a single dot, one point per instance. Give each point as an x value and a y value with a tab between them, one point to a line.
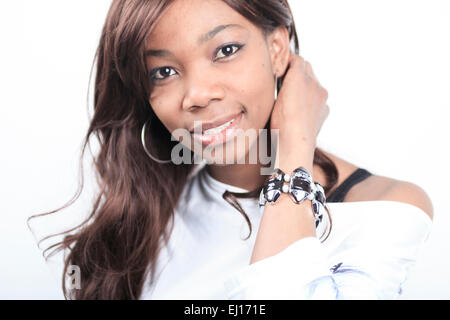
117	246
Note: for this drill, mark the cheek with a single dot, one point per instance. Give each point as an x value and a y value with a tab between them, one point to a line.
164	113
255	86
165	102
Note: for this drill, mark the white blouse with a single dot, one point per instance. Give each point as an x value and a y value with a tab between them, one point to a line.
371	249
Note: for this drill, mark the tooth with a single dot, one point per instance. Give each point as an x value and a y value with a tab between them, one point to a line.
218	129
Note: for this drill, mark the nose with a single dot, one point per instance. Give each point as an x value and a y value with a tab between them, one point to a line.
201	89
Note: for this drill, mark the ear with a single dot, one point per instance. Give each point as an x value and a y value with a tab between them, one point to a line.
279	48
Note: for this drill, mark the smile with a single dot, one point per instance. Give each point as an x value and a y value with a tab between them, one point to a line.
219	129
218	134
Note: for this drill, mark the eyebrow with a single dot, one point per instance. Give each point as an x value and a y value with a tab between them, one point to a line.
203	38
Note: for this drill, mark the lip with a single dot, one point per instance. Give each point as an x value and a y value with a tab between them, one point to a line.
221	137
215	123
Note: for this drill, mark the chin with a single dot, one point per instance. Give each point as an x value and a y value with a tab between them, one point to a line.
224	155
233	152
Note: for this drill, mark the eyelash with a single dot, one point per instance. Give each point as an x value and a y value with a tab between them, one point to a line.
155	71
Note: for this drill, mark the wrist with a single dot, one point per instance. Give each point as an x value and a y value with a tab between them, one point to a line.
291	155
299	185
290	161
289	165
296	139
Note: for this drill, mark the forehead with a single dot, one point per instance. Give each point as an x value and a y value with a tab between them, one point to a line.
184	20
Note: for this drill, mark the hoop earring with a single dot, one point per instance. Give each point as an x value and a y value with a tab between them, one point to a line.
276	88
145	147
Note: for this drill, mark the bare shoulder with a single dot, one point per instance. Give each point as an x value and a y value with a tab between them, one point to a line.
377	187
407	192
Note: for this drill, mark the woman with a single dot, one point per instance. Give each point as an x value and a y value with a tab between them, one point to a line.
161	230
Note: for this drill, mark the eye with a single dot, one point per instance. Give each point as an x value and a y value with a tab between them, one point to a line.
228	50
161	73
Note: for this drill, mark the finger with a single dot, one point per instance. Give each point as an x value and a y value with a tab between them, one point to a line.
309	71
296	60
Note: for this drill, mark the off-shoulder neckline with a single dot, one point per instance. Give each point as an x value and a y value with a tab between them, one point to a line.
220	187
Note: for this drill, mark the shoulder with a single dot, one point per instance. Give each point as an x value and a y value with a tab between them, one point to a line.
401	209
400	194
400	218
410	193
377	187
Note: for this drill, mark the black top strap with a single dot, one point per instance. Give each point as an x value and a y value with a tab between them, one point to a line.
339	193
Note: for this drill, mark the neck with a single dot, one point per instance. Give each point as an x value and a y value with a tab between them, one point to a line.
244	176
248	176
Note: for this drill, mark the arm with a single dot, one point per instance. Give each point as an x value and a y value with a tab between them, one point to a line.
285	222
288	261
298	114
372	263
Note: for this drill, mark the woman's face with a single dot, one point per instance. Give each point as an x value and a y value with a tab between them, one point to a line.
208	63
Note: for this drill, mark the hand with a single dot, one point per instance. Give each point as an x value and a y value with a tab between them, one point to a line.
299	113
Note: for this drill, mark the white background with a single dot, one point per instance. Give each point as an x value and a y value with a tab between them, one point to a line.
385	64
